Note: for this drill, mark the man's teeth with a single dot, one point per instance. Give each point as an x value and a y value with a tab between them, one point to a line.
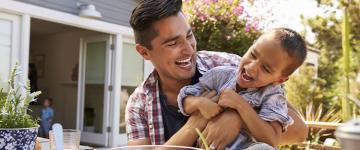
184	61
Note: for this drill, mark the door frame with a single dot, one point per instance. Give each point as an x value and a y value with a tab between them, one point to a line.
20	37
102	138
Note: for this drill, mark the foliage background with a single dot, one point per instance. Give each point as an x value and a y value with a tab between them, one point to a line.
228	26
222	25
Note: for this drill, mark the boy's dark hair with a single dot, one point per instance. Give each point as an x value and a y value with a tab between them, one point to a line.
148	12
295	46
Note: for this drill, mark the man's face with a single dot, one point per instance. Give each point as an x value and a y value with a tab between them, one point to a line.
173	51
263	63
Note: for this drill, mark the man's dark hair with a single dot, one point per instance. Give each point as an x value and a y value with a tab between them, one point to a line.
295	46
148	12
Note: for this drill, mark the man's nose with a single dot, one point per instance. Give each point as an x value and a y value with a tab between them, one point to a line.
188	48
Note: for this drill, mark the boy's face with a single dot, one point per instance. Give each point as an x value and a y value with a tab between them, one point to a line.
46	103
263	63
173	50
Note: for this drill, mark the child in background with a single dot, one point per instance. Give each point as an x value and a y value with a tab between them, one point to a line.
47	115
255	83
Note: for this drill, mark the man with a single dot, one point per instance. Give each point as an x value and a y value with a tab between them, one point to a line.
164	37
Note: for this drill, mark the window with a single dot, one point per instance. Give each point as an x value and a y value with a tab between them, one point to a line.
132	76
5	51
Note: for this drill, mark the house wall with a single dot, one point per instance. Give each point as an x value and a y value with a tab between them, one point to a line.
61	53
312	58
113	11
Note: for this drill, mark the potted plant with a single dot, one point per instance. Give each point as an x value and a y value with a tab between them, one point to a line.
18	130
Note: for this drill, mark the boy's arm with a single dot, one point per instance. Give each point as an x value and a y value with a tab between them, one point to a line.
261	130
207	107
188	98
186	101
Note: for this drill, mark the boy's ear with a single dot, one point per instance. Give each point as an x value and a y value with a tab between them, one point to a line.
143	51
281	80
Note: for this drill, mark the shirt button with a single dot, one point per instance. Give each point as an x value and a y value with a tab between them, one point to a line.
150	102
179	111
151	126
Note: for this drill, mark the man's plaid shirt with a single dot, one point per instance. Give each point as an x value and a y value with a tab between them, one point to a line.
143	111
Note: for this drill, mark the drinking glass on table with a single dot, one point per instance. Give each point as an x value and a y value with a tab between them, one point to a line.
71	139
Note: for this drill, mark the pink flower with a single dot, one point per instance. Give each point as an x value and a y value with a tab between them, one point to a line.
247	27
207	1
255	24
238	10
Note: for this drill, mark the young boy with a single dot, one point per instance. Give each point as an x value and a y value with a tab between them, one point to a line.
255	83
47	115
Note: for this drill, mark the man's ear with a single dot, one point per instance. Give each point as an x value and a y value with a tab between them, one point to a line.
143	51
281	80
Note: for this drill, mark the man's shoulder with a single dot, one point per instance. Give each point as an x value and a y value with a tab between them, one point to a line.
141	92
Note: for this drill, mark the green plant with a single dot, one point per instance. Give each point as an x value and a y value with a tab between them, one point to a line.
222	25
316	136
14	105
304	88
346	66
316	113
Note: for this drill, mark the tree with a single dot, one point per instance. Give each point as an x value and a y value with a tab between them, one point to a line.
222	25
328	30
303	89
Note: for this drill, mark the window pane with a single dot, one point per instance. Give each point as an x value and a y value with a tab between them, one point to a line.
94	87
132	76
132	66
5	49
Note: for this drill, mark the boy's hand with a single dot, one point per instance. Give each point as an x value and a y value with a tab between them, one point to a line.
229	98
208	108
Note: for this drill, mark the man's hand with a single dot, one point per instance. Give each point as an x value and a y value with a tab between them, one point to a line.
223	129
208	108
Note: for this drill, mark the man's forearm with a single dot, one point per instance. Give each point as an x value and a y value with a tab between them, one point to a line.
187	135
296	132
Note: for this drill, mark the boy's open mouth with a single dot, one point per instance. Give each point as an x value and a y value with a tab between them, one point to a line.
245	76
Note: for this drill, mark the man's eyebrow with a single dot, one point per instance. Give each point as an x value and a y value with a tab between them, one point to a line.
175	37
170	39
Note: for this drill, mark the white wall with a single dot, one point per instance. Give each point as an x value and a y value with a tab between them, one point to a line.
312	58
61	53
